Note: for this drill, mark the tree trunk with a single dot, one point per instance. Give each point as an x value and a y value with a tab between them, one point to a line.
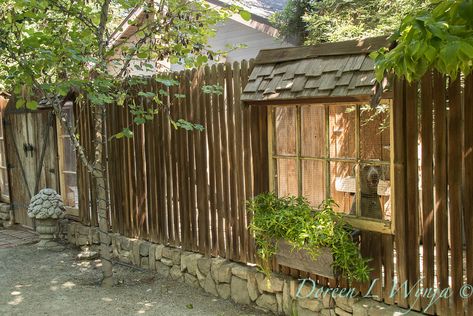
102	196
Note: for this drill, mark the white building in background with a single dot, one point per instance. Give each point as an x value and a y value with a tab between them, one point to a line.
252	35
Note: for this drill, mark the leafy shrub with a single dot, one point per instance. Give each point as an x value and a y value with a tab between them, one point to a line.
294	220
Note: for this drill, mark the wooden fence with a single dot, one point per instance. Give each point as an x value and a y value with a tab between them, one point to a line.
188	188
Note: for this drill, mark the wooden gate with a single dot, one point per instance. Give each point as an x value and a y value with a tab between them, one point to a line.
31	153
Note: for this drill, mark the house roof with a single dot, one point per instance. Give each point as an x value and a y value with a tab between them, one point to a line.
327	70
262	8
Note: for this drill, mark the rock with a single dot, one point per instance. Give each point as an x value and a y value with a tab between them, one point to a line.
224	273
286	298
279	300
201	277
189	262
223	290
159	252
173	254
252	287
125	256
341	312
88	255
327	312
203	264
241	271
125	243
144	262
311	304
239	291
215	266
175	273
346	303
304	312
135	250
191	280
151	263
167	262
268	301
209	285
82	241
96	238
271	285
144	249
162	269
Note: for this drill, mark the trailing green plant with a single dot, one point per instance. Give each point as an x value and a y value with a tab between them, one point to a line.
295	221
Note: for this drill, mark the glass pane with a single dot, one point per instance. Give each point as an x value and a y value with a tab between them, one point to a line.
313	131
286	177
285	129
69	155
4	182
343	186
3	158
375	191
342	131
71	196
374	132
313	181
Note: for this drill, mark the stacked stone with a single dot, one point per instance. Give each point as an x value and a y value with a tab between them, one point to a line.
46	204
229	280
81	235
4	214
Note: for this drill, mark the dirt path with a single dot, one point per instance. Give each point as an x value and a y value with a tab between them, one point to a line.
34	282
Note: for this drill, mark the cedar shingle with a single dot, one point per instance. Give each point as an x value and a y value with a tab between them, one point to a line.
312	82
368	64
315	68
252	85
328	81
299	83
354	62
271	88
284	84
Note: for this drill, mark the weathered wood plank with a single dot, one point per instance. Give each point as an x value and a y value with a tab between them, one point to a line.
454	175
428	223
412	215
440	188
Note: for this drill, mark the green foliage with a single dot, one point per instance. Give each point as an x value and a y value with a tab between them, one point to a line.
50	47
295	221
334	20
441	39
290	22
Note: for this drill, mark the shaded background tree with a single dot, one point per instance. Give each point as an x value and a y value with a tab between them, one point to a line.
318	21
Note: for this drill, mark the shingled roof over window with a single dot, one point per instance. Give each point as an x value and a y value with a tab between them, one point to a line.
326	70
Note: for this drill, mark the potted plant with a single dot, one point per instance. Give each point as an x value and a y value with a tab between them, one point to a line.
317	241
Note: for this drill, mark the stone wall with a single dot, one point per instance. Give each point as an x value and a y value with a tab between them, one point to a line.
229	280
4	214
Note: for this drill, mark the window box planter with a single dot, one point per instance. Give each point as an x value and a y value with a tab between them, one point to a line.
301	260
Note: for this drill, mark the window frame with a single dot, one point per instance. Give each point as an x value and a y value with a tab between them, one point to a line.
61	136
363	223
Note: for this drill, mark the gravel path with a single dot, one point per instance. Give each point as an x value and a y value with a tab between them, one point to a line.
39	282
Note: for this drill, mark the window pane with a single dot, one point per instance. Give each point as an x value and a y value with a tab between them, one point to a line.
374	133
313	181
71	196
375	191
69	155
343	185
285	125
286	177
4	182
313	131
342	131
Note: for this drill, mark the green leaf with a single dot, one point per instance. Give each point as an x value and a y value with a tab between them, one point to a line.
125	133
245	15
20	103
32	105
